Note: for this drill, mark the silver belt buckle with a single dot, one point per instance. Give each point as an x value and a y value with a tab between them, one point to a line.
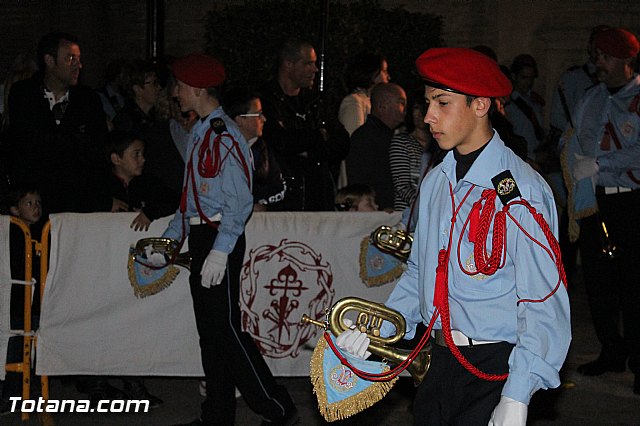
608	190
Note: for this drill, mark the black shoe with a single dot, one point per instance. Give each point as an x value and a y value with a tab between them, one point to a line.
102	390
636	384
600	366
135	389
289	419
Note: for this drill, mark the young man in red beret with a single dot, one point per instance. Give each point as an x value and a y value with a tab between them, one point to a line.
216	204
601	161
485	283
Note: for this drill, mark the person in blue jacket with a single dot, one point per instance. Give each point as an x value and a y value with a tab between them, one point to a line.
485	271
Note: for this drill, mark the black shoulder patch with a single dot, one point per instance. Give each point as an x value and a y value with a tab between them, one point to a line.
505	186
218	126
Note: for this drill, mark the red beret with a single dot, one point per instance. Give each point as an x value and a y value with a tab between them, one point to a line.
616	42
464	71
199	70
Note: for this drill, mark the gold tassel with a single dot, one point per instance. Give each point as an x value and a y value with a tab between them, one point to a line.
154	287
349	406
574	216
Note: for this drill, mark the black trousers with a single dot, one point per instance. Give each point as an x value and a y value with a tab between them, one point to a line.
613	285
230	357
450	395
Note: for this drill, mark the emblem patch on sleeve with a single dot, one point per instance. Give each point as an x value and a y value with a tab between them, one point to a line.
505	186
218	126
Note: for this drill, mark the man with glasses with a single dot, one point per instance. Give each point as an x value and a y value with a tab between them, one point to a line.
245	108
56	139
142	92
140	115
57	132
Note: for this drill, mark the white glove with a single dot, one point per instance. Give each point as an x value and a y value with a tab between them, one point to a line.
584	167
213	268
509	412
354	341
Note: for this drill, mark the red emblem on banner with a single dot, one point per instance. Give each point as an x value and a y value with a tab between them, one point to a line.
277	286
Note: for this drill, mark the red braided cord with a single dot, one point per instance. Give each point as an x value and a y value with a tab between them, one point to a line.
486	264
490	266
443	263
555	252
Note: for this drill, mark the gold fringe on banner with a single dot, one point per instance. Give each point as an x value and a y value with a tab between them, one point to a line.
350	405
377	280
574	216
154	287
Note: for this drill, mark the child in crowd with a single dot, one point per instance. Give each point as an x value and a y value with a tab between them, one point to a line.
356	198
135	190
25	204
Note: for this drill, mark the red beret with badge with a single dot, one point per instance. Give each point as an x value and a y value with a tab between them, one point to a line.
463	71
617	42
199	70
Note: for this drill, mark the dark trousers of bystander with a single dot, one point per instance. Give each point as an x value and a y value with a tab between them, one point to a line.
451	395
612	284
230	357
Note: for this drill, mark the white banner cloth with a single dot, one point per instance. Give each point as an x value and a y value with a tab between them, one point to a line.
295	263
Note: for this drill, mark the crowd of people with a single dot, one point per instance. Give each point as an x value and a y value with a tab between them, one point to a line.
165	137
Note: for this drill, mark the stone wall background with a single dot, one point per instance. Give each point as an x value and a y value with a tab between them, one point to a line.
555	32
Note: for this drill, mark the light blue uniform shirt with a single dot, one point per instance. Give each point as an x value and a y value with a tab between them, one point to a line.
229	193
484	307
596	109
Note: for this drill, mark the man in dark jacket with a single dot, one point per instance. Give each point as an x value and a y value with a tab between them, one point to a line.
368	160
57	132
305	146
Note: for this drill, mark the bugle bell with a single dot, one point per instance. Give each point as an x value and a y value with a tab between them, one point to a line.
370	316
160	252
396	243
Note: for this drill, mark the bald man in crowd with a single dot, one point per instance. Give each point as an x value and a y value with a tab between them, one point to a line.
368	159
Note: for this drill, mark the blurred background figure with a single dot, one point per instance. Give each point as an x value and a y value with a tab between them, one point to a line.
411	149
23	67
364	70
112	93
525	109
356	198
146	113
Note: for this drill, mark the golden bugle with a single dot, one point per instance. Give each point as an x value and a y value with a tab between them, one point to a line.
396	243
166	246
370	316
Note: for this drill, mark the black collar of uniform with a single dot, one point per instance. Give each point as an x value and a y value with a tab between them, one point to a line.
465	161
